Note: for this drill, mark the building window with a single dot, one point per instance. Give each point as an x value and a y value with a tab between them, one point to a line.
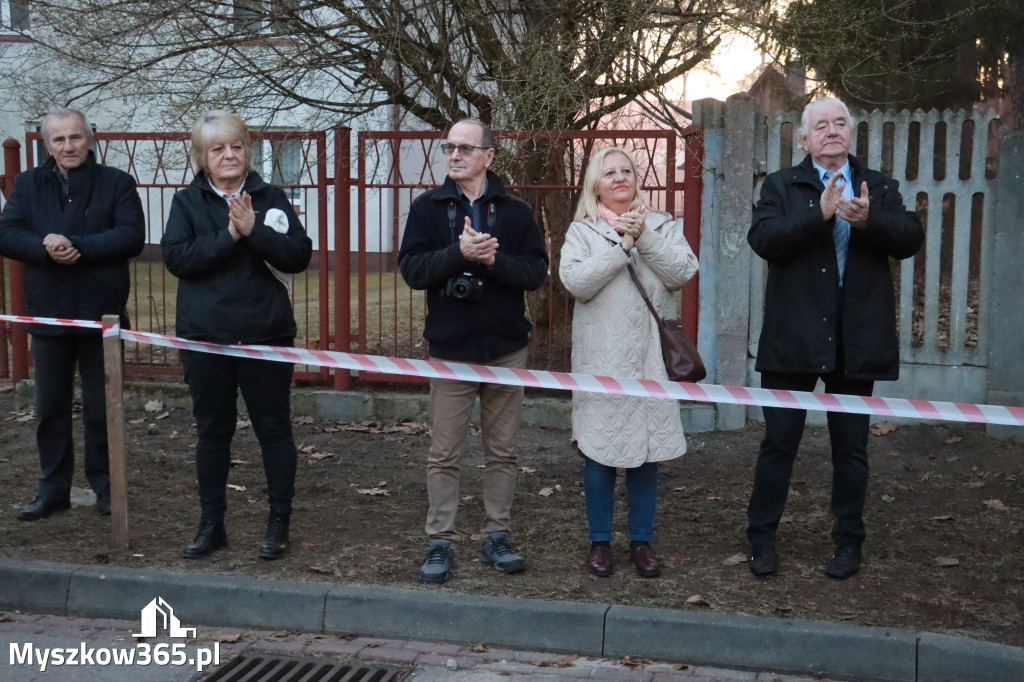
14	15
279	162
249	15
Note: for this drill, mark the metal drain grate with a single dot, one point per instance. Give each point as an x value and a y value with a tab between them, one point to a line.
265	668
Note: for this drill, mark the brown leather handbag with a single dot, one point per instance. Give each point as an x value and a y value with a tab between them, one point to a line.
682	361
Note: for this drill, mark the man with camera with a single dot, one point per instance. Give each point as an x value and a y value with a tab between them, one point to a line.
476	250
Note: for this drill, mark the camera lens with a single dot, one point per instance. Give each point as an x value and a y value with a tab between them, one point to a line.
460	288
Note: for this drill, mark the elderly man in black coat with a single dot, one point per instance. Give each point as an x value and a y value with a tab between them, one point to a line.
75	224
827	229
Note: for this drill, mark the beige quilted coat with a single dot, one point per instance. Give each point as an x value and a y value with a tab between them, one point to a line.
613	333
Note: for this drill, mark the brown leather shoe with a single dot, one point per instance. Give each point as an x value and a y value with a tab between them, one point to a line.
645	561
600	561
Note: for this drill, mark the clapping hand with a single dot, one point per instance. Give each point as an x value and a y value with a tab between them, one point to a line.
631	224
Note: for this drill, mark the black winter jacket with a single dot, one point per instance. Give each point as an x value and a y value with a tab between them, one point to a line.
788	231
496	325
227	294
103	219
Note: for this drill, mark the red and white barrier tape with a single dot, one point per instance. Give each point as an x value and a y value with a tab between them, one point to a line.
566	381
648	388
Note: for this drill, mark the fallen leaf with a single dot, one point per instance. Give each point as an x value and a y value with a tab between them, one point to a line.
888	498
892	453
239	488
227	638
546	492
882	428
239	462
942	517
4	618
569	659
154	406
714	498
735	560
954	439
302	420
322	455
243	424
680	489
331	429
996	504
372	491
137	421
478	648
528	470
680	666
307	449
320	569
281	633
946	561
382	484
163	415
697	600
634	662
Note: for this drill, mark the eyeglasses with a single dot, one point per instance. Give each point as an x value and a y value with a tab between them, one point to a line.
464	149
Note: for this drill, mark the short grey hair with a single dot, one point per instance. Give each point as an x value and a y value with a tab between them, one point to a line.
218	125
486	134
805	117
65	112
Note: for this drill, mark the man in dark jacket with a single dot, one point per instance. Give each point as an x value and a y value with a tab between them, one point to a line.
476	250
75	224
827	228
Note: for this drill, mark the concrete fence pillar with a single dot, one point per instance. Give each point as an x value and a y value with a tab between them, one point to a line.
1006	302
725	255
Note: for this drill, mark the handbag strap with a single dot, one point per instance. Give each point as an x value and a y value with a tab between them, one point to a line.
640	288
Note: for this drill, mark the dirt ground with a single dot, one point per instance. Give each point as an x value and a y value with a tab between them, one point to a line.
945	518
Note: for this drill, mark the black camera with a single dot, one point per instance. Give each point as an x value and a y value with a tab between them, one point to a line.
465	287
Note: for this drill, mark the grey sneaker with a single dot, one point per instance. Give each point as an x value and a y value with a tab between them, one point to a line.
437	567
498	552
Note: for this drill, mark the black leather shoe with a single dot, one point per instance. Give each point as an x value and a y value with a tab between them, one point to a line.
103	504
763	560
210	537
276	540
845	562
41	507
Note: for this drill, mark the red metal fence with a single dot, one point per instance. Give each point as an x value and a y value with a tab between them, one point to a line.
351	297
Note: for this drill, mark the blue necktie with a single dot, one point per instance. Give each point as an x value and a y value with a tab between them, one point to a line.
840	234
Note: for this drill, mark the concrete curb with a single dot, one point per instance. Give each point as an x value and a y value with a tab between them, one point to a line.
551	413
834	650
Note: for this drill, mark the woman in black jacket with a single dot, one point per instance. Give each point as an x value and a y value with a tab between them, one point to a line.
233	241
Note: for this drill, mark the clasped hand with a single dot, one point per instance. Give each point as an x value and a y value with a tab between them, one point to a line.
241	217
476	246
630	224
60	249
854	211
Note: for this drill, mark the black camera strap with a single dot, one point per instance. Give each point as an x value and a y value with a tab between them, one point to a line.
492	218
451	218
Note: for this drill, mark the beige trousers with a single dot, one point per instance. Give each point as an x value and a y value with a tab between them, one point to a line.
501	411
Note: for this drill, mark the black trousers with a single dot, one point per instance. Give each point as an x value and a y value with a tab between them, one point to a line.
55	358
214	382
783	429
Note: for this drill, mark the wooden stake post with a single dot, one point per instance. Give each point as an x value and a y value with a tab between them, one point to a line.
114	377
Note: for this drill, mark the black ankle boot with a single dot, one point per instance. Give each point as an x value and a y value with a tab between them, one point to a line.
276	540
210	537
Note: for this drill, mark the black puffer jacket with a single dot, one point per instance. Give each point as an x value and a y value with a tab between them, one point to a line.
789	232
496	325
102	218
227	294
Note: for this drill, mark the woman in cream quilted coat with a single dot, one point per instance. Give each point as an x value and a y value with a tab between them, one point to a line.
613	333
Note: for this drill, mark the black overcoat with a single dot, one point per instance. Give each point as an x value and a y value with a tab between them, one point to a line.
799	331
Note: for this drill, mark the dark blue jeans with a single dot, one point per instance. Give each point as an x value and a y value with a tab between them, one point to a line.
55	358
214	382
641	491
784	428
